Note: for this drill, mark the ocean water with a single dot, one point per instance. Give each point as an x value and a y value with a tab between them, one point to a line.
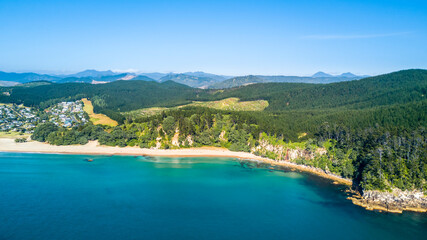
53	196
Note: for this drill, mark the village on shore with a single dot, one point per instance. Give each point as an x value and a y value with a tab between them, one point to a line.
23	120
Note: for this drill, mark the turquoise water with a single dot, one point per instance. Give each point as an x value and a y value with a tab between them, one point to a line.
52	196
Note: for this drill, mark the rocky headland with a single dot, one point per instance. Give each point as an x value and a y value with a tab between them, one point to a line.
395	201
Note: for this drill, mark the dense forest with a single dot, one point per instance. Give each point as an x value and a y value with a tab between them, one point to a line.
117	96
373	130
398	87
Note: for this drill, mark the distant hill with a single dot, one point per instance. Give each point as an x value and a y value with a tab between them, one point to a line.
348	74
208	75
35	84
155	75
104	79
246	80
75	80
343	75
143	78
25	77
87	76
115	77
91	73
296	79
192	81
237	81
8	83
321	74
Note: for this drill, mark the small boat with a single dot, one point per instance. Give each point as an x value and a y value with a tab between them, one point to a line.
271	168
90	160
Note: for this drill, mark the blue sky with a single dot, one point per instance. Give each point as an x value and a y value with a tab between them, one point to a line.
224	37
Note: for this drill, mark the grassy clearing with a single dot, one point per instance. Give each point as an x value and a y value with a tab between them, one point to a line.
233	104
145	112
13	135
97	118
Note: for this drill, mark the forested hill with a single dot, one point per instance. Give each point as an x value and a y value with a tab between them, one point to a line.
117	96
189	80
398	87
247	80
394	88
237	81
25	77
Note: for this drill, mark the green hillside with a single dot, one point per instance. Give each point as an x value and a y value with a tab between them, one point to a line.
189	80
398	87
118	95
232	104
237	81
25	77
247	80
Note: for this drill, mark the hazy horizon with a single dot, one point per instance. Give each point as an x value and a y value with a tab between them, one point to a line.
134	71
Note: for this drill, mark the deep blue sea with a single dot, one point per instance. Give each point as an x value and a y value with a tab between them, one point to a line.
53	196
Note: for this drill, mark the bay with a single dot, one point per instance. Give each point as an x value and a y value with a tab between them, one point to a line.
55	196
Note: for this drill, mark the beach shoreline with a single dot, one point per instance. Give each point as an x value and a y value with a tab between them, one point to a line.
93	148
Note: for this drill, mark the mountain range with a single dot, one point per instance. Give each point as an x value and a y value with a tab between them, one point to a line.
193	79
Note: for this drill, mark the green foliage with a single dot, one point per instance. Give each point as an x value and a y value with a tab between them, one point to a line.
168	125
237	81
239	139
42	131
189	80
20	140
377	158
66	137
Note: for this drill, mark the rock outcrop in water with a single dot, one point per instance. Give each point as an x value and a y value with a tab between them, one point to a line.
395	201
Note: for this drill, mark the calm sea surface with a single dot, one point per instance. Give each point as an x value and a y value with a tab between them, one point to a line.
52	196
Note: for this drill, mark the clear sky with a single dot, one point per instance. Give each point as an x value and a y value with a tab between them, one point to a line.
225	37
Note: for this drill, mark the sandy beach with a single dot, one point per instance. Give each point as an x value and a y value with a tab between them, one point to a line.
9	145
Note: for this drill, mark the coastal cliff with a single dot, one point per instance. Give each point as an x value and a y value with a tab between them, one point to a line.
278	150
